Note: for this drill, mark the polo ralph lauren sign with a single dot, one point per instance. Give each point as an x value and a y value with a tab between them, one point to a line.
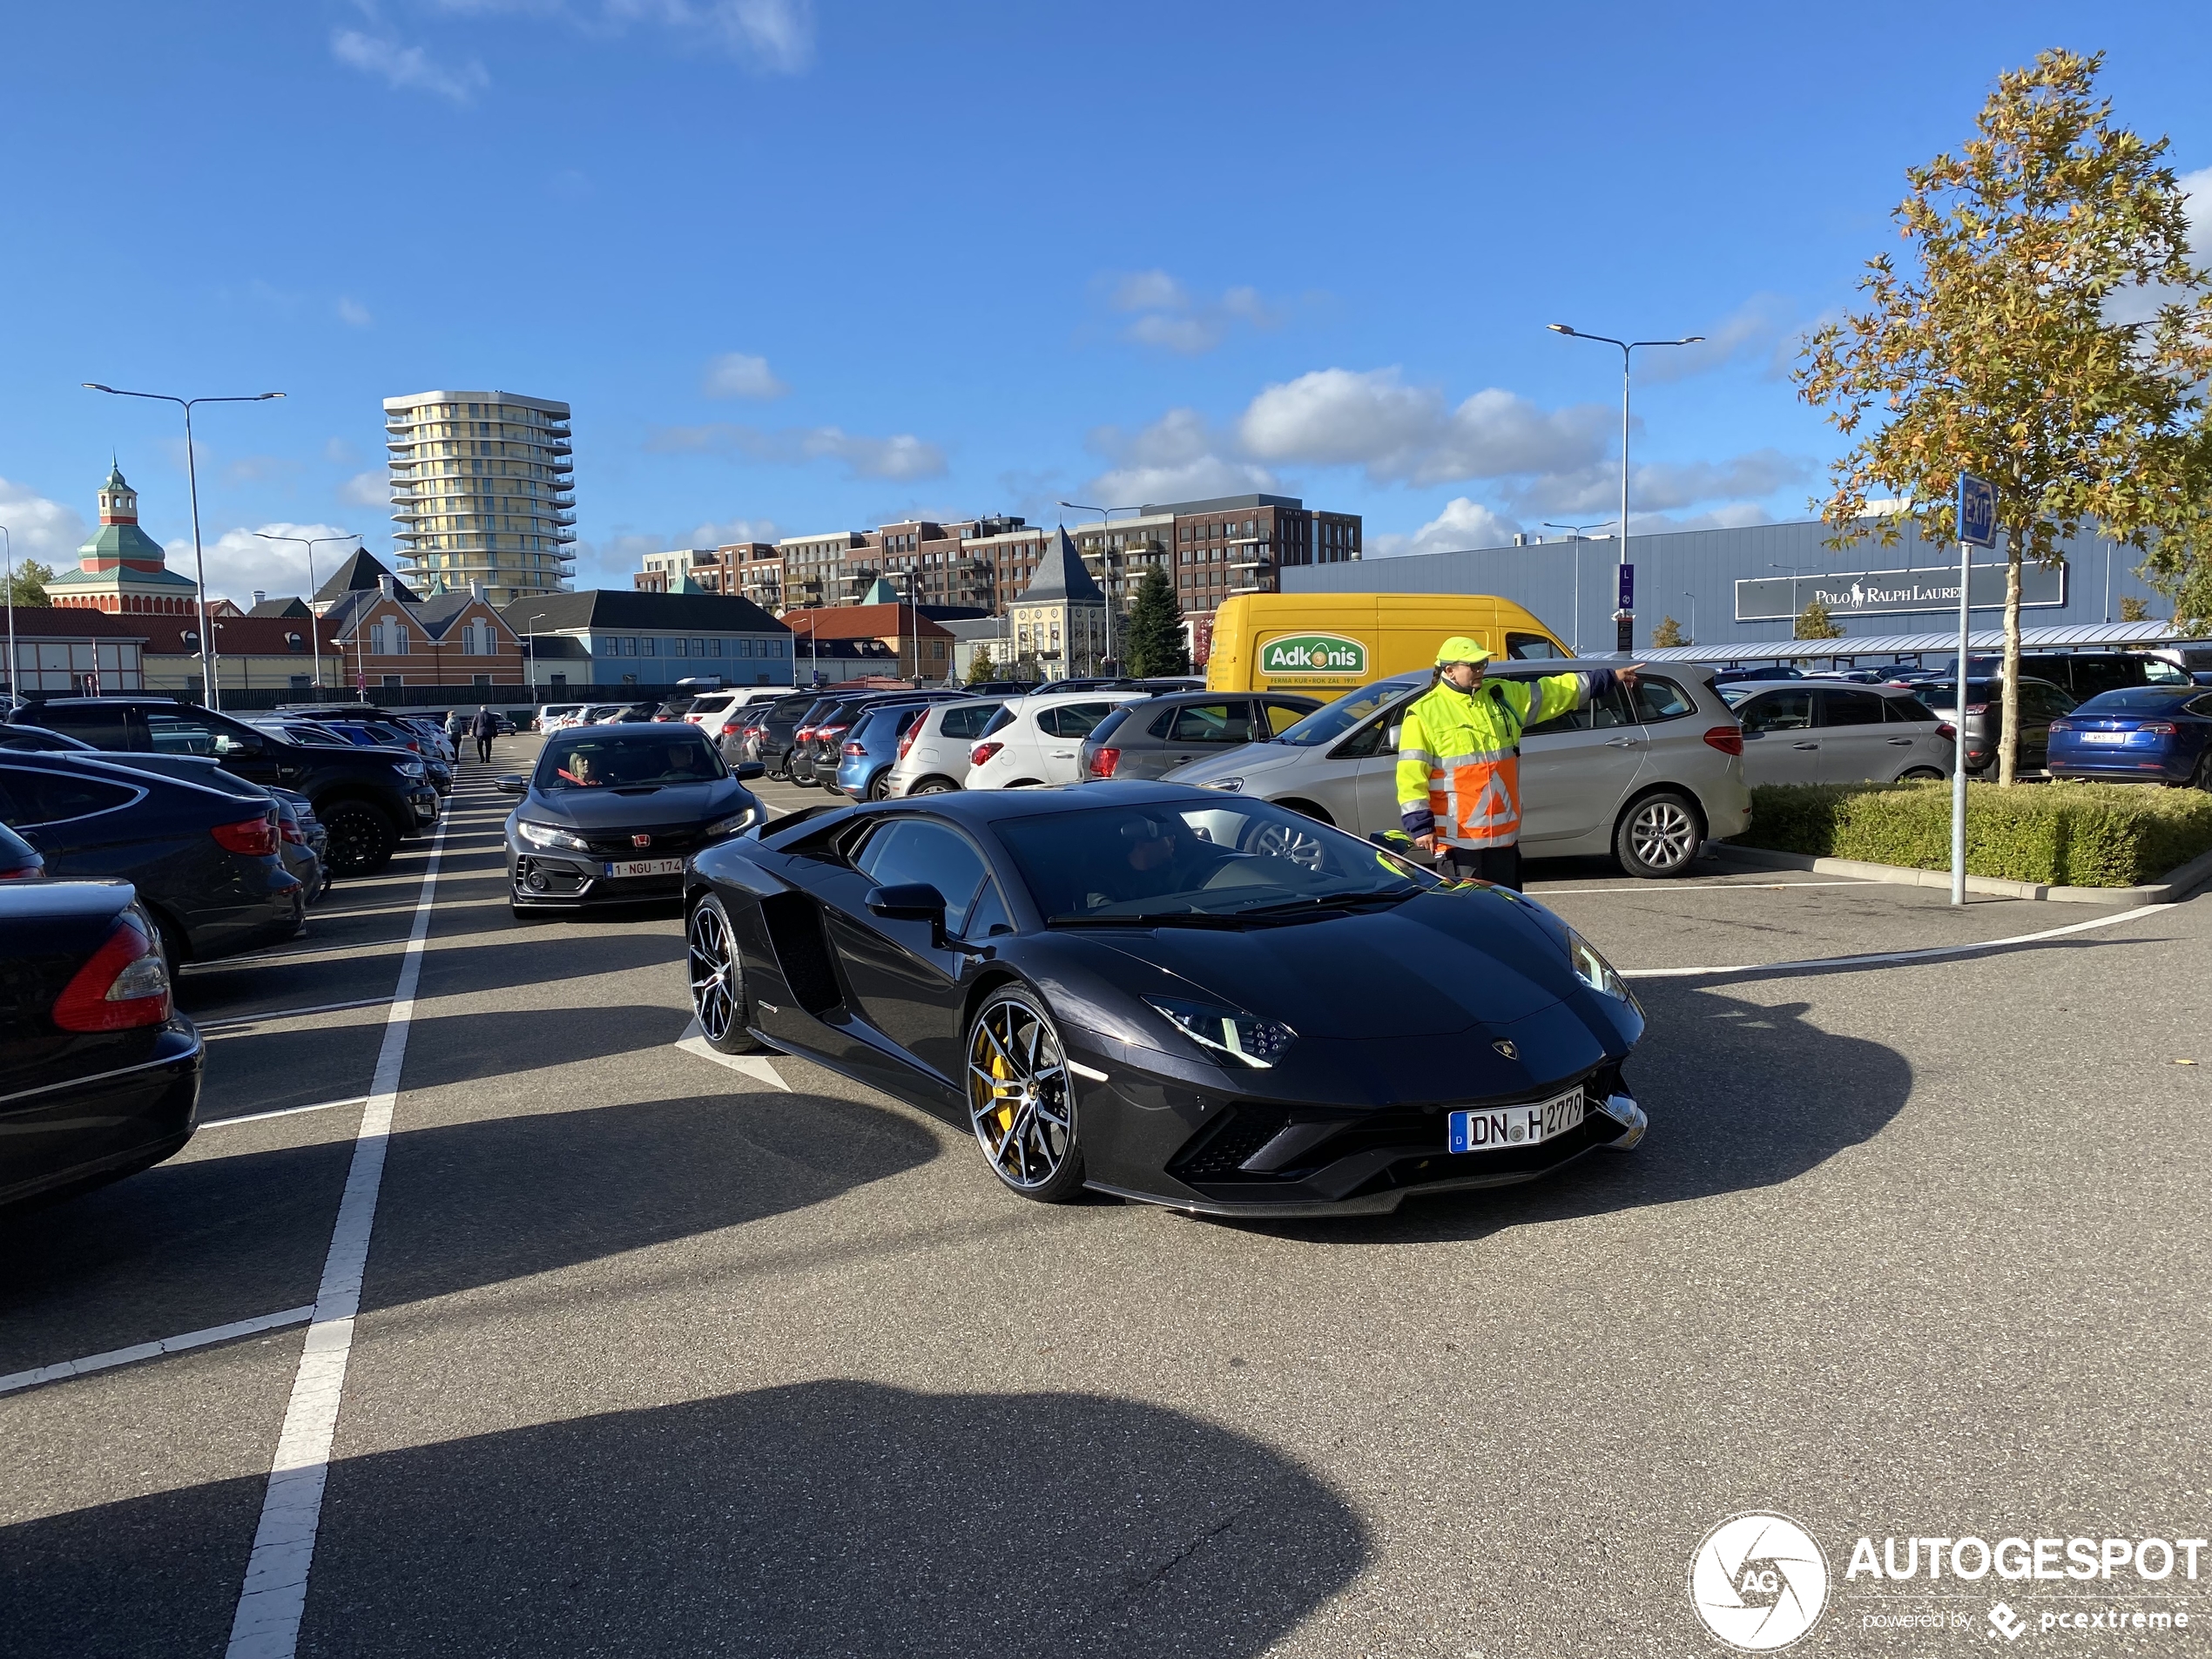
1889	593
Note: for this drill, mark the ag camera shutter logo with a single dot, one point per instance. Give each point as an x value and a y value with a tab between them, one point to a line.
1758	1582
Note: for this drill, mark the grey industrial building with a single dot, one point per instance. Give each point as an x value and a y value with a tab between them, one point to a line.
1740	588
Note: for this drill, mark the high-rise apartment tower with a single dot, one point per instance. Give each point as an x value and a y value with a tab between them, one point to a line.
482	491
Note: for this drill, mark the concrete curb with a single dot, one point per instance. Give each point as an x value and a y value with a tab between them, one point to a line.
2178	884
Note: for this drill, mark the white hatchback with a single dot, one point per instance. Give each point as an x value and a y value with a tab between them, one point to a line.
1041	742
933	756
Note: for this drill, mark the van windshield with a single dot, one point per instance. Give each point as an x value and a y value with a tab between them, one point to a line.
1333	720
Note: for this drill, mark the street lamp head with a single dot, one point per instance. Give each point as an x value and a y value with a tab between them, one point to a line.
94	386
265	396
1691	339
1559	328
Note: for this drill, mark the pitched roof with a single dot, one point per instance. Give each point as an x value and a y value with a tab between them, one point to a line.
634	609
439	612
863	622
881	593
1061	576
359	572
294	606
64	622
236	637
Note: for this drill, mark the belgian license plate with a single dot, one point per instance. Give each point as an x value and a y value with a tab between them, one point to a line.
2104	737
1510	1126
644	866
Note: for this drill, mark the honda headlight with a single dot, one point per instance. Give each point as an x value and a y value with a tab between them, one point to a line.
1593	969
1244	1037
732	824
546	835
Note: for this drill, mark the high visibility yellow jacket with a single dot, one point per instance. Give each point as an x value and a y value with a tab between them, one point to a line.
1459	754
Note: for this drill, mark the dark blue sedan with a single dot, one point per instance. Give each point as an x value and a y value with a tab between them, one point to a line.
2139	734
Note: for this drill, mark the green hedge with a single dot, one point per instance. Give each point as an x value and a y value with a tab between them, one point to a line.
2066	834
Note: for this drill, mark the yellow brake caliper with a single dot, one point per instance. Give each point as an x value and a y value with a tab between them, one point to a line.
1003	1092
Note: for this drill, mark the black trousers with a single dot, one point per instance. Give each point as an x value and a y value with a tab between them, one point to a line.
484	749
1500	866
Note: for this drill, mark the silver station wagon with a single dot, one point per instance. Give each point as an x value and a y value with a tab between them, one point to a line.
1644	777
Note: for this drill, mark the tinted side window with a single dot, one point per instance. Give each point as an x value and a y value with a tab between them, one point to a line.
1281	717
1776	711
1602	712
988	915
1850	708
1900	711
1658	699
1072	719
913	850
1211	723
49	798
104	728
1532	647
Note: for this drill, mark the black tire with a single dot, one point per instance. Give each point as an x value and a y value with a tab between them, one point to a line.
1658	836
2202	777
1019	1103
720	1000
1308	809
175	948
361	837
933	786
874	791
1920	775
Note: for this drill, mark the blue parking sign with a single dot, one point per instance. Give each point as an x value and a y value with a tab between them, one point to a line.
1627	587
1977	511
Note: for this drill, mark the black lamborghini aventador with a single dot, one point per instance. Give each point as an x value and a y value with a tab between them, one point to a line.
1170	994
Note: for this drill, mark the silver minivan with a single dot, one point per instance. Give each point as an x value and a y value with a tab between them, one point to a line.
1646	778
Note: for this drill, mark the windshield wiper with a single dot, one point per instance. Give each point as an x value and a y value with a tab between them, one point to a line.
1152	919
1329	901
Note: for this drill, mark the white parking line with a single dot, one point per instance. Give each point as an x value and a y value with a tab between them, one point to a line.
756	1066
231	1026
1933	952
62	1369
1668	889
270	1602
282	1111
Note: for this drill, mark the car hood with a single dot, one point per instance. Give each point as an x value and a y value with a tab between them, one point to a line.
1244	762
1439	963
592	809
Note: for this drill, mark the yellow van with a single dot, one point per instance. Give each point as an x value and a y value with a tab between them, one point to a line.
1335	641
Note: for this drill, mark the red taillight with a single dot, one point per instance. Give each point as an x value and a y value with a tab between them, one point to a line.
856	747
123	985
908	742
2158	729
290	831
983	752
802	734
1103	762
23	873
1945	729
254	837
1729	739
1977	708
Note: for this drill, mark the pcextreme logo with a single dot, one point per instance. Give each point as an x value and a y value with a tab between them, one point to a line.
1758	1582
1324	656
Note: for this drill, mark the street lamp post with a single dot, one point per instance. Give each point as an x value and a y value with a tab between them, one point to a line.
15	663
531	627
191	478
1693	614
1627	641
310	543
1106	518
1574	540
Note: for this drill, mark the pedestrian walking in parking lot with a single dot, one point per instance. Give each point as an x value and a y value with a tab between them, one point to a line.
484	728
1459	756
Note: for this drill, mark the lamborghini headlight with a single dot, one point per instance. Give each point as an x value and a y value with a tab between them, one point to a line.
1245	1037
546	835
1593	969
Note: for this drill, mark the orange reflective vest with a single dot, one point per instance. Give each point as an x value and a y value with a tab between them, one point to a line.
1458	755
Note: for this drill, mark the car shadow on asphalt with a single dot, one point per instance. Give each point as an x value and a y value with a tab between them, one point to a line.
822	1518
1740	1095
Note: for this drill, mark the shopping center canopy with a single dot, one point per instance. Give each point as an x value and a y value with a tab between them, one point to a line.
2083	636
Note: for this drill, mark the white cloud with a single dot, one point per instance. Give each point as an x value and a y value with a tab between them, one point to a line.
736	374
409	68
902	456
1170	317
733	530
1176	458
1400	433
352	313
1462	525
1661	486
39	528
260	470
366	489
777	35
339	451
239	561
1750	334
2142	304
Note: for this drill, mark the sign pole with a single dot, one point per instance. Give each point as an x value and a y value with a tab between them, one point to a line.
1977	523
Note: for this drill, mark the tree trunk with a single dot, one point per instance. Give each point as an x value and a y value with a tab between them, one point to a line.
2009	743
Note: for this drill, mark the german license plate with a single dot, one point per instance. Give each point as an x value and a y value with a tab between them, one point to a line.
1500	1126
2104	737
644	866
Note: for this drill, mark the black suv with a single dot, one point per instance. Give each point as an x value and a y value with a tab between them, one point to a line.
367	799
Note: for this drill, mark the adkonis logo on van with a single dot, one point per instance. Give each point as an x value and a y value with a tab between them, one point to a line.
1328	655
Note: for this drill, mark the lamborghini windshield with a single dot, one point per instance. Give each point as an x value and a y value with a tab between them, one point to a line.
1173	862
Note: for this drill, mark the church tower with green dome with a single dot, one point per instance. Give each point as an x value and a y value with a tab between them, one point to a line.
121	568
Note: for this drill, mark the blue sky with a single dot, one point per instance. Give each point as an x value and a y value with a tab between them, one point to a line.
805	267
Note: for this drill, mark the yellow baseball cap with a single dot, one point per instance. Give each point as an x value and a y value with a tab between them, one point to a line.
1459	649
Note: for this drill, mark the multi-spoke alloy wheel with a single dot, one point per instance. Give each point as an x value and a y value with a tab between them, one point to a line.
1658	836
718	979
1018	1098
1301	847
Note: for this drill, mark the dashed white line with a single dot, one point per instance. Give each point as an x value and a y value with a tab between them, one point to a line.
1933	952
282	1111
275	1595
64	1369
214	1027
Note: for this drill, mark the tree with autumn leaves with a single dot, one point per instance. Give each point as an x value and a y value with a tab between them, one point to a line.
2046	332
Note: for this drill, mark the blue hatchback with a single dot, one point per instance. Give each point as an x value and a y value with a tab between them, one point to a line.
871	748
2160	734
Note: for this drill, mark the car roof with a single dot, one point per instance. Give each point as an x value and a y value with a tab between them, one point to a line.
980	806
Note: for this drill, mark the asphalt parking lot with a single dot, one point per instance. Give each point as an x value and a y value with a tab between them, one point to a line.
660	1354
